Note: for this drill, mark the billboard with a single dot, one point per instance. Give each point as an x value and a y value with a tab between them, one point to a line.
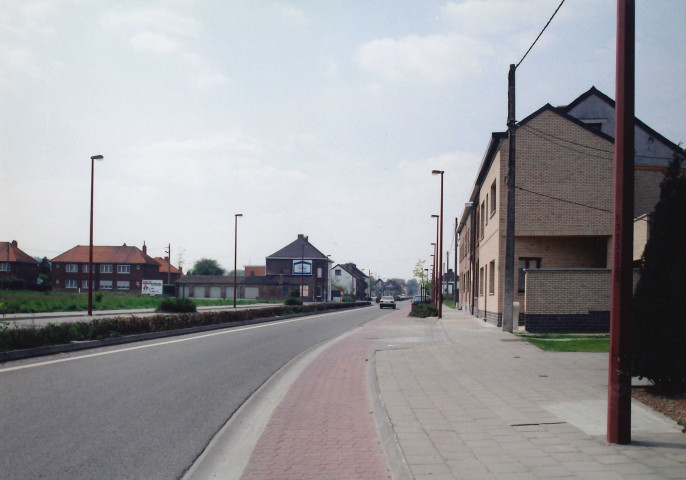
151	287
302	267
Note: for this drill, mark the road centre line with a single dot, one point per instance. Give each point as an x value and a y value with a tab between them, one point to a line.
168	342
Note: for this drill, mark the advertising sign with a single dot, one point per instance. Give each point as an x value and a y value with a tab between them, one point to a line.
302	267
152	287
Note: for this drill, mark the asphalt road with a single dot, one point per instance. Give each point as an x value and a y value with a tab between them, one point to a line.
143	410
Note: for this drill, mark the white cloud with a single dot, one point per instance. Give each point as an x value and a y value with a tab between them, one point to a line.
434	59
17	61
291	14
156	42
159	19
478	18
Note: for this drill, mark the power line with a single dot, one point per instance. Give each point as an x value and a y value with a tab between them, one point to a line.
566	147
563	200
539	35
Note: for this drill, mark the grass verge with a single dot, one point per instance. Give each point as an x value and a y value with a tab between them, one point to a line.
593	343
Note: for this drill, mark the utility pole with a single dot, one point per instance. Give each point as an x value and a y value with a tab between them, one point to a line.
510	226
619	383
455	279
168	251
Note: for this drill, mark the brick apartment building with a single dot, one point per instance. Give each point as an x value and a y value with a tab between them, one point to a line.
118	269
563	215
17	264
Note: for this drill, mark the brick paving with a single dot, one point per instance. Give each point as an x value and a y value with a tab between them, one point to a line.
324	428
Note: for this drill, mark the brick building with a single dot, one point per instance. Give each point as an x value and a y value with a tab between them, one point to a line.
17	264
118	269
563	212
347	278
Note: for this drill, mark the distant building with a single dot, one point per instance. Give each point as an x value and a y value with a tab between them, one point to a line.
117	269
346	278
17	264
169	273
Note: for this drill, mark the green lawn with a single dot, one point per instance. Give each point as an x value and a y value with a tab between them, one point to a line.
597	343
21	301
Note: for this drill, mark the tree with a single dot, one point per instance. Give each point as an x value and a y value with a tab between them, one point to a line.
207	266
412	287
659	321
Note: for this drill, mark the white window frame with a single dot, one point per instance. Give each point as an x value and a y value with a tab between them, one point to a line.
123	285
105	284
72	268
106	268
71	284
84	268
4	267
123	269
84	284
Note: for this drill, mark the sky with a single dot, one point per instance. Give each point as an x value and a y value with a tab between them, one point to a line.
320	118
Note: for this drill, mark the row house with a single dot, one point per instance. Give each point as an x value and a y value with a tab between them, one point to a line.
115	268
563	226
17	264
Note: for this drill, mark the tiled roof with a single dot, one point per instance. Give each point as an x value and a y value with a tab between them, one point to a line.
294	250
14	253
106	254
207	279
165	265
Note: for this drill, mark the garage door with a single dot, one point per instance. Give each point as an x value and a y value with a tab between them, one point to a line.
199	292
215	292
251	293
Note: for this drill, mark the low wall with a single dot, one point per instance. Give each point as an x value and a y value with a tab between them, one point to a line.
568	300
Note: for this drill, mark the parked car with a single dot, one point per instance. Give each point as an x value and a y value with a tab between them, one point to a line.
419	299
387	301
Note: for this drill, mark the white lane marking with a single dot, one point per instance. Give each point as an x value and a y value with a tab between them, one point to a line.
168	342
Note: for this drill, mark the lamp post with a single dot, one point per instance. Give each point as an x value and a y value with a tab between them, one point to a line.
235	254
433	277
436	246
440	251
90	245
427	279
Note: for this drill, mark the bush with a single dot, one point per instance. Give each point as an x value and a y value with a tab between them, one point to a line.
177	305
424	310
98	297
293	301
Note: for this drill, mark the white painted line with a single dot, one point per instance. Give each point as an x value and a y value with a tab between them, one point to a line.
168	342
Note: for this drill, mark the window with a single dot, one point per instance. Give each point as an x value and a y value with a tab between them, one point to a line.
491	278
319	274
486	211
524	263
123	268
71	284
72	268
284	290
481	281
123	285
105	268
493	201
84	284
481	225
4	267
337	272
105	284
319	291
84	268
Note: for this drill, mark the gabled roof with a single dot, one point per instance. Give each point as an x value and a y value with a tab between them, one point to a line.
9	251
594	92
106	254
294	250
352	269
165	266
563	113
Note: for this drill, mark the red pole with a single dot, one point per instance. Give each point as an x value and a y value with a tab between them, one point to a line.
90	247
439	294
619	389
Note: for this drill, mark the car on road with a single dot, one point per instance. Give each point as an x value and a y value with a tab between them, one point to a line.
419	299
387	301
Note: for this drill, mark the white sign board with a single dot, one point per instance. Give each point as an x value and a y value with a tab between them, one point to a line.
302	267
152	287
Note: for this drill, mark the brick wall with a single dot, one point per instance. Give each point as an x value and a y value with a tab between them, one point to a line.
571	300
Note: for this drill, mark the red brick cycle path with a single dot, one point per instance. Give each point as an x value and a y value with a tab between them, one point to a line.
324	428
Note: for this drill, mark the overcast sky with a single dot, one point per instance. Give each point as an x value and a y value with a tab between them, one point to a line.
321	117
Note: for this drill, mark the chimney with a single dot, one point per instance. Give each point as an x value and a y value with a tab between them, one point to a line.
166	259
145	248
14	243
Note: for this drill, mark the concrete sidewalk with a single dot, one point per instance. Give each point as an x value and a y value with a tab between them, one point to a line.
468	401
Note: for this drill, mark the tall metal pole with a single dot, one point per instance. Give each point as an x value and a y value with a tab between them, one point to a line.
508	294
90	244
235	255
619	388
440	252
302	273
455	279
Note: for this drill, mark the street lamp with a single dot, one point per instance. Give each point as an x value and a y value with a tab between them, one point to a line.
235	254
436	246
440	250
90	245
427	279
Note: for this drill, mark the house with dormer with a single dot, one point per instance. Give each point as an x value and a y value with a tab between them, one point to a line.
563	226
